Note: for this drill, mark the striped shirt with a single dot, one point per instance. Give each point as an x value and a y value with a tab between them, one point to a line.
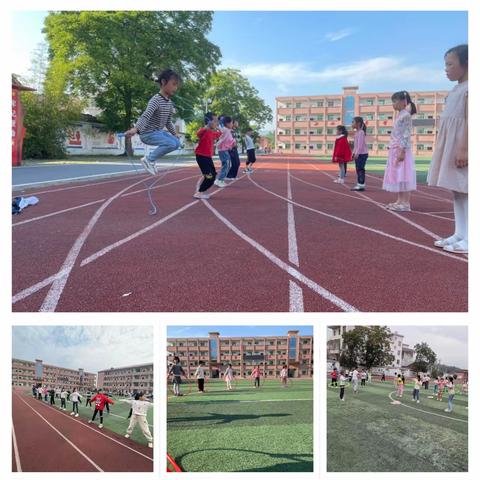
157	116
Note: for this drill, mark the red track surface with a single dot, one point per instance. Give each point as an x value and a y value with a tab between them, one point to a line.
45	447
343	250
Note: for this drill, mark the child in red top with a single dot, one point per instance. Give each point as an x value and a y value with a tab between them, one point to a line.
100	400
342	154
204	153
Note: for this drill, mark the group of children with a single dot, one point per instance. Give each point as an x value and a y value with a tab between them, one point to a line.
449	166
138	412
340	379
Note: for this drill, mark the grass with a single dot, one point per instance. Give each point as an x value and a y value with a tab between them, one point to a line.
116	421
369	433
269	429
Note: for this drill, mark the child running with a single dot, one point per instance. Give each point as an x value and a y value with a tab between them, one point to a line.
204	154
400	176
250	146
256	376
341	153
100	400
449	167
75	397
228	376
224	144
284	375
360	152
176	371
140	406
400	386
200	374
416	389
158	116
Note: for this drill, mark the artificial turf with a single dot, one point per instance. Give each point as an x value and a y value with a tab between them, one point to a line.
367	432
269	429
116	420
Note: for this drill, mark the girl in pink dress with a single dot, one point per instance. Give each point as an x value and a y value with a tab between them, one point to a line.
400	176
449	167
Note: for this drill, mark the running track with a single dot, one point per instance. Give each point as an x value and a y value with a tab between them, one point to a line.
283	239
49	440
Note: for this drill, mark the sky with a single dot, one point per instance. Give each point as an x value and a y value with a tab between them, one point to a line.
310	53
92	348
450	343
184	331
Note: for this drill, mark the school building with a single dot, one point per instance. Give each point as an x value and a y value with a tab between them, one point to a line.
292	349
306	124
127	380
26	373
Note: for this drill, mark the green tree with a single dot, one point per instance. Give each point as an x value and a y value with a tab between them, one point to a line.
369	346
425	357
113	57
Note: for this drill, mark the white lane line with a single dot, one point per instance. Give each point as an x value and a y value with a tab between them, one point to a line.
363	227
53	296
329	296
428	214
84	455
395	214
47	281
296	293
15	449
96	430
426	411
59	212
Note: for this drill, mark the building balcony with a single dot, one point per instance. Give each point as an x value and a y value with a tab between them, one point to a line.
284	111
301	111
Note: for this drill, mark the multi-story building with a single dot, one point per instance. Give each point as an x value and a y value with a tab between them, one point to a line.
306	124
270	352
26	373
127	380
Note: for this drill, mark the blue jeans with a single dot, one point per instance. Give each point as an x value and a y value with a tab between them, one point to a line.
416	394
226	164
164	141
450	402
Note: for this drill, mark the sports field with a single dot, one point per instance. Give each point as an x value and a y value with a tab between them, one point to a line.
370	431
269	429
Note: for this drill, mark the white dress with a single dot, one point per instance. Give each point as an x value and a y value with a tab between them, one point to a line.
453	122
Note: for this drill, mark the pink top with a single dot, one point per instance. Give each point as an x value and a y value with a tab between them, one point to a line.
226	141
359	143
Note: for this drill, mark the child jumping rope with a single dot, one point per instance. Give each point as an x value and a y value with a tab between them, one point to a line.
284	375
224	144
256	376
342	381
449	167
228	376
400	386
200	374
140	407
400	176
250	146
416	389
157	116
341	153
451	394
176	371
360	152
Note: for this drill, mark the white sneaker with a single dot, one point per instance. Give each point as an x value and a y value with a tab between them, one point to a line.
443	242
89	421
220	183
418	401
339	180
150	167
100	426
150	445
447	410
127	435
76	414
457	247
201	195
73	413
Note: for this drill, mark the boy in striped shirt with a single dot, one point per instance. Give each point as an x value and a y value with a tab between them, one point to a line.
158	116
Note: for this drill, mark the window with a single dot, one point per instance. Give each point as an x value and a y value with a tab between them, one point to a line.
287	132
369	116
288	146
298	146
330	131
329	146
300	118
318	146
288	118
381	146
289	105
367	101
332	116
370	130
297	131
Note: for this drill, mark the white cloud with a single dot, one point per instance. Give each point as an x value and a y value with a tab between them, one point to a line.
338	35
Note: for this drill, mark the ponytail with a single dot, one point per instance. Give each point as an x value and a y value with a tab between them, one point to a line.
404	95
360	121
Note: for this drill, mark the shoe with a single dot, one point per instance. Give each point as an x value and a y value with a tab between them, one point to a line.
339	180
447	410
458	247
89	421
418	401
150	445
127	435
358	188
100	426
443	242
150	167
201	195
76	414
400	208
220	183
73	413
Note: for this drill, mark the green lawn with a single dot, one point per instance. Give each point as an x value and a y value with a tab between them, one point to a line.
116	421
269	429
369	433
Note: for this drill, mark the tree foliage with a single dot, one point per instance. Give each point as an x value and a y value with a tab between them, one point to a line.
425	357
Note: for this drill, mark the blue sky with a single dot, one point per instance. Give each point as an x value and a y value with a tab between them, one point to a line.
308	53
93	348
236	330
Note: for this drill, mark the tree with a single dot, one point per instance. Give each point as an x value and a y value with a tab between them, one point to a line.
112	58
39	66
425	357
368	346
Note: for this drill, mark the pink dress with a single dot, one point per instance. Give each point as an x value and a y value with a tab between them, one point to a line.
400	176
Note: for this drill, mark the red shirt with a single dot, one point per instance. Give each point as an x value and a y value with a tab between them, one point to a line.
100	401
205	145
342	152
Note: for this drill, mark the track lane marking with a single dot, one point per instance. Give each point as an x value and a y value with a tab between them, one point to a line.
15	449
